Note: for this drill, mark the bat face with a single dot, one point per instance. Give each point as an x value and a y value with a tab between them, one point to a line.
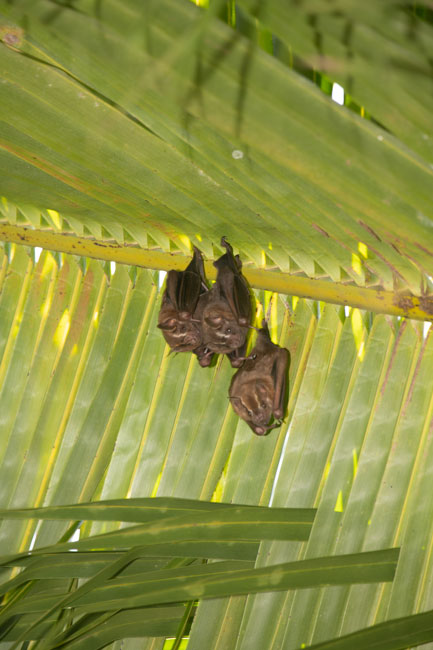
254	404
182	334
257	390
221	330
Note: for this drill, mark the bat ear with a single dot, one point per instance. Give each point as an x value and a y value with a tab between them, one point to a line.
243	322
213	322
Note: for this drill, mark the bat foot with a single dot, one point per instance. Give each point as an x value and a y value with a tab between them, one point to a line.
227	246
237	362
224	242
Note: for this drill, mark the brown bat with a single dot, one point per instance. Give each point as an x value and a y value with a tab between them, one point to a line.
177	318
257	390
226	309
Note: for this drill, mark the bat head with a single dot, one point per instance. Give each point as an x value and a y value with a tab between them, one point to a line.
254	404
221	332
182	334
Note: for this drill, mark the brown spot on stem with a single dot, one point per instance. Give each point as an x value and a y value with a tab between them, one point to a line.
405	303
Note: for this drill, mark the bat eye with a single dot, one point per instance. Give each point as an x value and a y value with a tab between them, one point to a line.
263	405
250	413
228	330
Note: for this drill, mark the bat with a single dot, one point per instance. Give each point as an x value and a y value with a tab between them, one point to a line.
177	318
257	390
226	309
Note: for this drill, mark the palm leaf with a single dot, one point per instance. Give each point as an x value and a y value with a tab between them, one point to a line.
127	133
196	114
111	589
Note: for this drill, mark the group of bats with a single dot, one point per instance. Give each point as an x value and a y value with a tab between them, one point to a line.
194	318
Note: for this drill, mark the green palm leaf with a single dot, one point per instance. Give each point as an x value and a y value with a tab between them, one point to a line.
129	131
196	116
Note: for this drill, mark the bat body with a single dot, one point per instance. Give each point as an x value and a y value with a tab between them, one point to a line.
257	390
226	309
179	316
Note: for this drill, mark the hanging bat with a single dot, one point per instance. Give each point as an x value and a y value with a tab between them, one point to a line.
226	309
177	318
257	390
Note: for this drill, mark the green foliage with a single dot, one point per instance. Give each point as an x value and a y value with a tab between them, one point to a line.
122	584
93	407
157	121
160	125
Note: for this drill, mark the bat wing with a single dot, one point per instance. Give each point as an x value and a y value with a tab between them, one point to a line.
197	266
188	292
241	300
234	289
232	285
184	287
